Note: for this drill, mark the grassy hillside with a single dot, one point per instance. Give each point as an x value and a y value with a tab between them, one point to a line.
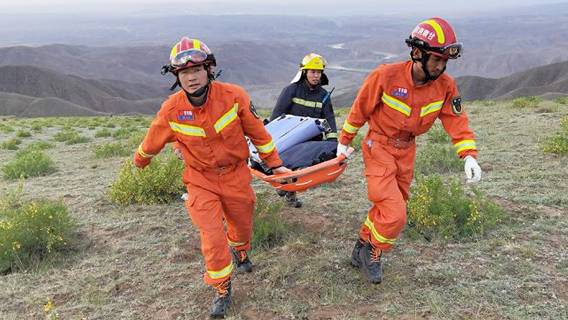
143	262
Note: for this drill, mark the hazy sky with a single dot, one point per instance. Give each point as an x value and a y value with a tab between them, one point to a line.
293	7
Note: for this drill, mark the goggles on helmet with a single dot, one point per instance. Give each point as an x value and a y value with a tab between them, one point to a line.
188	56
452	51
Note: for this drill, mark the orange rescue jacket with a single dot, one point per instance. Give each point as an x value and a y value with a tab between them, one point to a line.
396	108
212	135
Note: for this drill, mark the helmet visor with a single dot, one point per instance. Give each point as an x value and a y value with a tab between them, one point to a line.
188	56
452	51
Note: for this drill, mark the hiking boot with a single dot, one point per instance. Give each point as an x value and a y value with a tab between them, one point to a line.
292	200
355	254
370	263
241	259
222	300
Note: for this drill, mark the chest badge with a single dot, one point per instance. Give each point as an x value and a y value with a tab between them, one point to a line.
185	115
400	93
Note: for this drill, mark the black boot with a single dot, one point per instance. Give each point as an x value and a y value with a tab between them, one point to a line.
355	254
292	200
241	259
370	263
281	192
222	300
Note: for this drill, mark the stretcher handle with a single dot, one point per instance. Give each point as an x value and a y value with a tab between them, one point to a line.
302	172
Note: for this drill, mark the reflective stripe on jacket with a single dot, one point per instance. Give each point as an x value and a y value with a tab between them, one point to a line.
394	107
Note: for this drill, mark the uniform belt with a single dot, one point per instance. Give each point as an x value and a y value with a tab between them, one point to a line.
401	141
220	169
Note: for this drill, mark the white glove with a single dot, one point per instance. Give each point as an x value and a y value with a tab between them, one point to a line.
341	149
472	170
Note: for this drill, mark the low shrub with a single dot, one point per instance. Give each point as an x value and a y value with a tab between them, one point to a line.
160	182
124	133
103	133
558	143
70	136
11	144
269	228
434	158
39	145
31	231
28	163
443	210
37	127
437	134
109	150
6	128
23	134
562	100
526	102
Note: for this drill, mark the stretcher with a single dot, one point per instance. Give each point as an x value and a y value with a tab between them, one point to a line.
289	132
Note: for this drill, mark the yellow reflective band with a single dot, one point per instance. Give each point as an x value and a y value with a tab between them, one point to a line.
375	234
349	128
218	274
235	244
465	145
396	104
174	51
144	154
307	103
187	129
266	148
196	44
439	32
431	107
226	118
331	135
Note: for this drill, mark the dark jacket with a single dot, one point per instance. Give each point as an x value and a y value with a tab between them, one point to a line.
299	100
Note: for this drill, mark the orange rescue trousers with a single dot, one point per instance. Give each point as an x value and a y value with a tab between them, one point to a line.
220	199
388	170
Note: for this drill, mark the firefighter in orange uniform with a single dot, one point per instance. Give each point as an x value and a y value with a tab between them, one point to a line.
208	120
401	101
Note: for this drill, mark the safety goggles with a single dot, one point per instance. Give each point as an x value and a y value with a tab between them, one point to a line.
452	51
188	56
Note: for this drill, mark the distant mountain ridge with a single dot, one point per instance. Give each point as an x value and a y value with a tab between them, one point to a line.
549	81
43	92
546	81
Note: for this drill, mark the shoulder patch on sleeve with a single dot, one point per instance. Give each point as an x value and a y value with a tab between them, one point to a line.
456	105
253	111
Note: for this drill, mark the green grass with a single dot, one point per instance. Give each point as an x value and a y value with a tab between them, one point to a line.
144	261
270	229
445	210
31	231
437	158
103	133
160	182
10	144
23	134
28	163
526	102
70	136
39	145
111	149
558	143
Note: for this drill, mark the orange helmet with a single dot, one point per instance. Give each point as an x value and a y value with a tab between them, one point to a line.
436	37
187	53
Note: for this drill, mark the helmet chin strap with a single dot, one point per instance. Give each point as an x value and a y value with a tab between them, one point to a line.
199	92
424	62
